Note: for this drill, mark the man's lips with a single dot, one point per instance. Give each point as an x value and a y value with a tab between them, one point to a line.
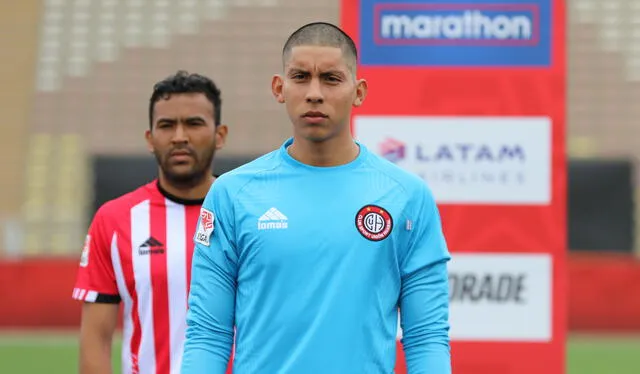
314	117
314	114
181	155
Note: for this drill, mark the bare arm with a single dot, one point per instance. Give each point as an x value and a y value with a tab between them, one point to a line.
97	326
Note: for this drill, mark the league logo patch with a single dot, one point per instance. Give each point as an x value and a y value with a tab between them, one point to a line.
205	227
84	258
374	222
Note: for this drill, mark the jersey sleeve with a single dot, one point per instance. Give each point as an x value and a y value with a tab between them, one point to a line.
96	281
211	314
424	299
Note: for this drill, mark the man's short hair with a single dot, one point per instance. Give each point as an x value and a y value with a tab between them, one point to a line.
322	34
183	82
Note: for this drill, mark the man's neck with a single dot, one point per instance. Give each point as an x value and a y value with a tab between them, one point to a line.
196	192
333	152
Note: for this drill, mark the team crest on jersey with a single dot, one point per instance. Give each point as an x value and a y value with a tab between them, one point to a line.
205	227
374	222
84	258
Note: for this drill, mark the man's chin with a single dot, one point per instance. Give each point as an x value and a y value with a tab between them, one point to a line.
183	175
314	133
317	136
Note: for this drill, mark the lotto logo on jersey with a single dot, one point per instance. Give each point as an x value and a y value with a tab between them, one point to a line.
205	227
453	33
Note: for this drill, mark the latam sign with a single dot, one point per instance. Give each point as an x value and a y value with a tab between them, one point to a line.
503	33
468	160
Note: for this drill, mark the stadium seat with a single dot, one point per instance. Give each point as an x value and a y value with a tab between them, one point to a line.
38	178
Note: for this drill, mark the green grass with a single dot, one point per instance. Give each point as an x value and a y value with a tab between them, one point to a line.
57	353
603	355
51	353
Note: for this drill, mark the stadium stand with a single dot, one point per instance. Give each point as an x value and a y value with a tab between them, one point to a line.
604	76
604	81
110	52
19	40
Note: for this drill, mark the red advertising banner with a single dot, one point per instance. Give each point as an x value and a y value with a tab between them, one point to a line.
470	96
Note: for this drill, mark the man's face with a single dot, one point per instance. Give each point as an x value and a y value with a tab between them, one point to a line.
319	90
184	137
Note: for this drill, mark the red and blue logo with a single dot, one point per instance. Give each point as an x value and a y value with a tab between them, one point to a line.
455	33
392	149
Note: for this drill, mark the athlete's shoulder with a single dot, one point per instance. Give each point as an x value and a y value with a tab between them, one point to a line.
122	205
243	174
407	180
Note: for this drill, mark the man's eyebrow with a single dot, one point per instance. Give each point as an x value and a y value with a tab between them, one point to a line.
195	118
296	70
333	72
174	120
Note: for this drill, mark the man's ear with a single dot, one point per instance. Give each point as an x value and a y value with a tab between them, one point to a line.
147	136
361	92
277	84
221	136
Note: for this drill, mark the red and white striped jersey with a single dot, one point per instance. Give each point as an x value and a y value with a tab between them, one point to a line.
138	250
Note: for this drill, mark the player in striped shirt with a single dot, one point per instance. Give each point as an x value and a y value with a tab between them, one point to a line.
139	246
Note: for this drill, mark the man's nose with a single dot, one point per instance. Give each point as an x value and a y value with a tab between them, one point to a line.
180	135
314	94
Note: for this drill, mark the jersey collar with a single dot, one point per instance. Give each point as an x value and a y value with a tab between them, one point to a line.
176	199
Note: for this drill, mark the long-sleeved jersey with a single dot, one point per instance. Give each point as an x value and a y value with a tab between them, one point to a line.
306	267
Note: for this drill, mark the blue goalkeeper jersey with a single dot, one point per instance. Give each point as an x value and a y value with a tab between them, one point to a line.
306	267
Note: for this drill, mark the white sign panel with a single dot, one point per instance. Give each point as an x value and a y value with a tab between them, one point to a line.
468	160
501	297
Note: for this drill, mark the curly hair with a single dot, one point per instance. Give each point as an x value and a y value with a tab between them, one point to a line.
183	82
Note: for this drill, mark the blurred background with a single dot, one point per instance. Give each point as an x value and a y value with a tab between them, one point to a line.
76	78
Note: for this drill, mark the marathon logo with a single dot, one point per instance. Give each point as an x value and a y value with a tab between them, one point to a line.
454	24
416	33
